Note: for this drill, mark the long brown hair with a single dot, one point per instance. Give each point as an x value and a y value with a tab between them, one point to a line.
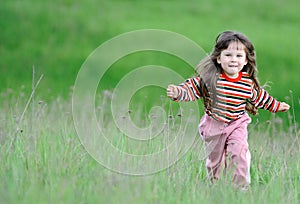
209	69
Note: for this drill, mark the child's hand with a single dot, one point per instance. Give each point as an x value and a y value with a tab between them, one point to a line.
283	107
172	91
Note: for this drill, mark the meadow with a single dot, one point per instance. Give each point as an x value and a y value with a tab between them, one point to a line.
43	158
44	161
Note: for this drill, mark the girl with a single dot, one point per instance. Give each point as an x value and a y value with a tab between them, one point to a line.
229	87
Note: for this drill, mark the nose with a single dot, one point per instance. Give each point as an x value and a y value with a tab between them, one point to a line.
234	58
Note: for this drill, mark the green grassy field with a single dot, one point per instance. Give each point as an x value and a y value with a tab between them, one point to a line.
43	159
57	36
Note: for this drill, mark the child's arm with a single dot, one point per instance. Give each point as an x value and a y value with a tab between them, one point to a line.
187	91
261	99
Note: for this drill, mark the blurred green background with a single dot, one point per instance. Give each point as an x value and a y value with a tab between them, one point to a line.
57	36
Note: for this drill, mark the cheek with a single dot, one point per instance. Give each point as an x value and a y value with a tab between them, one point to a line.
244	61
225	60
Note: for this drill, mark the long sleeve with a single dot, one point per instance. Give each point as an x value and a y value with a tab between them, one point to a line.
261	99
189	90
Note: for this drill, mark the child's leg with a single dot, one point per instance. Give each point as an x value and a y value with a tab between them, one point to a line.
238	153
211	132
215	164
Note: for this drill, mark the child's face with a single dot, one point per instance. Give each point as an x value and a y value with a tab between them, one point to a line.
233	59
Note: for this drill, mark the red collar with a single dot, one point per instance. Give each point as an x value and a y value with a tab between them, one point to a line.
232	79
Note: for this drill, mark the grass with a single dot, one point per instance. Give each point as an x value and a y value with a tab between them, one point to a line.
46	163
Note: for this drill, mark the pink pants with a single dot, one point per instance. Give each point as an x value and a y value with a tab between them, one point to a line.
227	148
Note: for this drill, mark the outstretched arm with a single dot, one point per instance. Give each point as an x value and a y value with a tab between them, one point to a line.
261	99
186	91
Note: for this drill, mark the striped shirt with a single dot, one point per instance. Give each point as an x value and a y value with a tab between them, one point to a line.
232	96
